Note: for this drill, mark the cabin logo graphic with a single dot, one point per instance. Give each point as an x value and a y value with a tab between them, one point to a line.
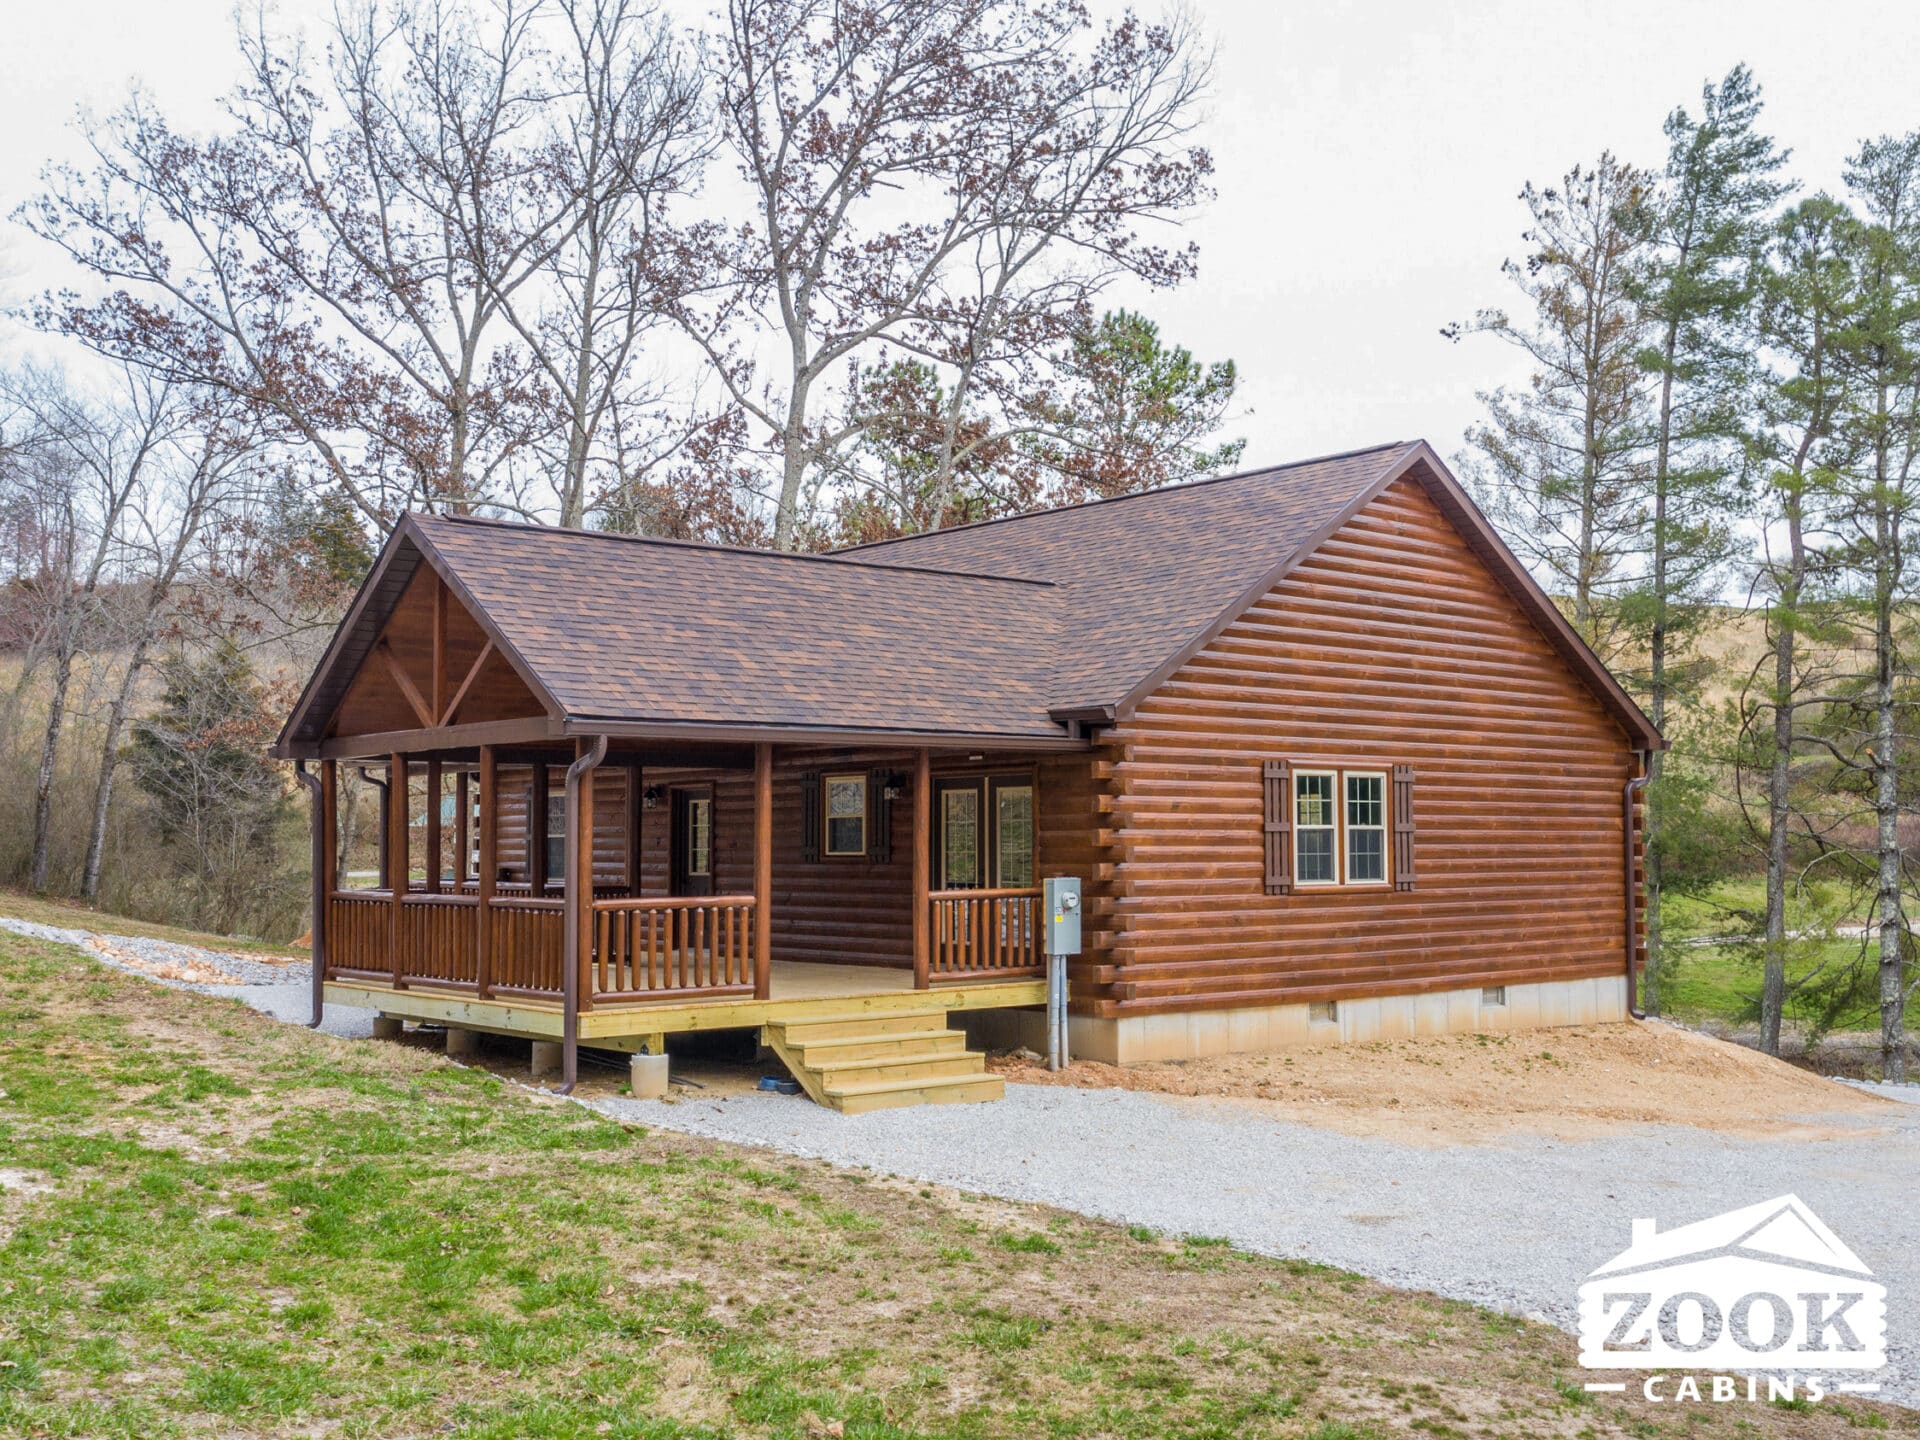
1767	1288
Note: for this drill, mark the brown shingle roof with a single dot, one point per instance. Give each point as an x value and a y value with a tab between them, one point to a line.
1002	629
650	630
1141	575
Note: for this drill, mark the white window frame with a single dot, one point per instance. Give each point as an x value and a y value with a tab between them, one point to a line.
827	817
1346	852
1337	802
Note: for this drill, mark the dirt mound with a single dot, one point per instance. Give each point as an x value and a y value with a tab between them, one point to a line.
1574	1084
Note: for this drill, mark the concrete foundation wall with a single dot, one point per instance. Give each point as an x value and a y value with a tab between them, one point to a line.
1139	1039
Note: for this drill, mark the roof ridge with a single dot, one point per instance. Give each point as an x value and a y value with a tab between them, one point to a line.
1177	488
829	558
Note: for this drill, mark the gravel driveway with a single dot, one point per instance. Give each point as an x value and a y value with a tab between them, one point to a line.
1515	1225
283	990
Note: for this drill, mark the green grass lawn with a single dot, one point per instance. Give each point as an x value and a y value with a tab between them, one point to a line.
215	1225
1721	983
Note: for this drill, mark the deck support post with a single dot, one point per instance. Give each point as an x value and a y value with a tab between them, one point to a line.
489	873
398	867
922	864
316	786
762	870
576	944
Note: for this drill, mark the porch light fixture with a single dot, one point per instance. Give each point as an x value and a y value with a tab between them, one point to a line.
651	797
895	786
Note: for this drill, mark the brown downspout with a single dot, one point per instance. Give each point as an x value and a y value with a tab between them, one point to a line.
321	881
1628	828
579	867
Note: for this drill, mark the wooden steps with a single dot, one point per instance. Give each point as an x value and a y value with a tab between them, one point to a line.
859	1062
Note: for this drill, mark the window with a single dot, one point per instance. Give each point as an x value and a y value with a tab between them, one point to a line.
1366	829
1493	995
846	814
1315	853
700	835
1324	1012
1335	827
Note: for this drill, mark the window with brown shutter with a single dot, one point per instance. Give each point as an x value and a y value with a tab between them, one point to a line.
1278	826
1403	827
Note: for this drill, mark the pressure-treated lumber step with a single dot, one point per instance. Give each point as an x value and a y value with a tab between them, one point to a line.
951	1090
875	1062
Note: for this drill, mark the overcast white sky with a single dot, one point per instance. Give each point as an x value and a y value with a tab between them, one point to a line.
1369	158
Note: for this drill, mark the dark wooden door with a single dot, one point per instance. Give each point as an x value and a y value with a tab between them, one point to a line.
691	840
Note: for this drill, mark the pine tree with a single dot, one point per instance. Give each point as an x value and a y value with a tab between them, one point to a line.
1706	224
1561	465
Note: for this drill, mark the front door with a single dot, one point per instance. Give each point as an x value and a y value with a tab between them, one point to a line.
690	840
983	832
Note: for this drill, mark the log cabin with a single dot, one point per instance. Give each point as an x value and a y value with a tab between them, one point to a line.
1327	761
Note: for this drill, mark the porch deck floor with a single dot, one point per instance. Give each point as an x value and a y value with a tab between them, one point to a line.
798	990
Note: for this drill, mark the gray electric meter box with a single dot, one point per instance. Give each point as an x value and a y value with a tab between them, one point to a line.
1062	894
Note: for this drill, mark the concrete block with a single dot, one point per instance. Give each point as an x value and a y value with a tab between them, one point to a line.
649	1076
546	1057
387	1027
461	1044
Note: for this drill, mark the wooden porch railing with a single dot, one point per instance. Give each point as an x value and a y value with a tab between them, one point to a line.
688	946
437	939
360	935
981	933
524	939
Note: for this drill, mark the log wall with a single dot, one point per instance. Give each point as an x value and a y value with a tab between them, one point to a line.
1392	645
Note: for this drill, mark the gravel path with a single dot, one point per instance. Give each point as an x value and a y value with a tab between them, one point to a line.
281	989
1515	1225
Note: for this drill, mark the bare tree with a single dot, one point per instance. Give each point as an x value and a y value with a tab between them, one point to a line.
94	458
342	257
188	490
888	144
626	134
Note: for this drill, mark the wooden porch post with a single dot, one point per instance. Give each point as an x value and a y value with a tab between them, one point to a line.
462	834
922	864
330	819
576	905
762	870
580	821
537	786
436	782
398	868
489	869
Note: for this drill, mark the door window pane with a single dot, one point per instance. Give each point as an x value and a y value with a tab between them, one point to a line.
556	835
960	839
700	835
1013	835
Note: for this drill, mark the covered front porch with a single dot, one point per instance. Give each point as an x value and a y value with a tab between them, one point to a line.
613	892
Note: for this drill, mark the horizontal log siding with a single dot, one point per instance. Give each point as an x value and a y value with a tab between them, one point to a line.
856	911
609	823
1392	645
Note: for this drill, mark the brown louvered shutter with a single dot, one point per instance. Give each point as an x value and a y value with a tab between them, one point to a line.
1278	826
810	816
879	817
1403	827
